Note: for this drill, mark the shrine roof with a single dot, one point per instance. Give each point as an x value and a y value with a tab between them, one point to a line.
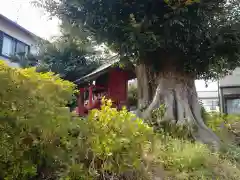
99	71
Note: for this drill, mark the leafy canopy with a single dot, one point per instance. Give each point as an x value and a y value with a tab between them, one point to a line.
68	57
195	36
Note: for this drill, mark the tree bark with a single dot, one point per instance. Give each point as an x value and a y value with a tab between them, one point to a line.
178	93
143	86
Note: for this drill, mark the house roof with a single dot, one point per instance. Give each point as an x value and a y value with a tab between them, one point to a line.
18	26
99	71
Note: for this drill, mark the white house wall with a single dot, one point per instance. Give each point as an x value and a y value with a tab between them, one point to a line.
207	94
20	35
231	80
17	33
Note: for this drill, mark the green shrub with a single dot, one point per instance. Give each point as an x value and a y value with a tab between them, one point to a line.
231	152
169	128
203	113
115	142
33	118
216	121
132	95
233	124
182	160
225	126
41	139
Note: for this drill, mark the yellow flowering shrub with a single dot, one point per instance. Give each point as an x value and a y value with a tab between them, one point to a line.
115	140
32	118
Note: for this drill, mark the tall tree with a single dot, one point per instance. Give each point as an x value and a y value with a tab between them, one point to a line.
69	57
172	42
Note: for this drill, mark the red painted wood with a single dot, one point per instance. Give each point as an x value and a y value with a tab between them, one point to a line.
90	96
117	91
118	86
81	110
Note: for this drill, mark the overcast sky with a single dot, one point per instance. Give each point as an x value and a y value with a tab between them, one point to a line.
31	18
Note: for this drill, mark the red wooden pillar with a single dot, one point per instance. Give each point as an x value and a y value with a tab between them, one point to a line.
90	96
80	102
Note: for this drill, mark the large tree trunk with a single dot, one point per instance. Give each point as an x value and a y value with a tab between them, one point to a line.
178	93
143	84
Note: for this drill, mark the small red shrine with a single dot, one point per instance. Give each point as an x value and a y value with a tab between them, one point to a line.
110	81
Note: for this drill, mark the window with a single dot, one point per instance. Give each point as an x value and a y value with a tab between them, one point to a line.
8	46
11	46
213	108
20	48
233	106
210	104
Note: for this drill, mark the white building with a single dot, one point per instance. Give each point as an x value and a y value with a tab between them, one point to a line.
208	94
15	39
221	96
229	88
